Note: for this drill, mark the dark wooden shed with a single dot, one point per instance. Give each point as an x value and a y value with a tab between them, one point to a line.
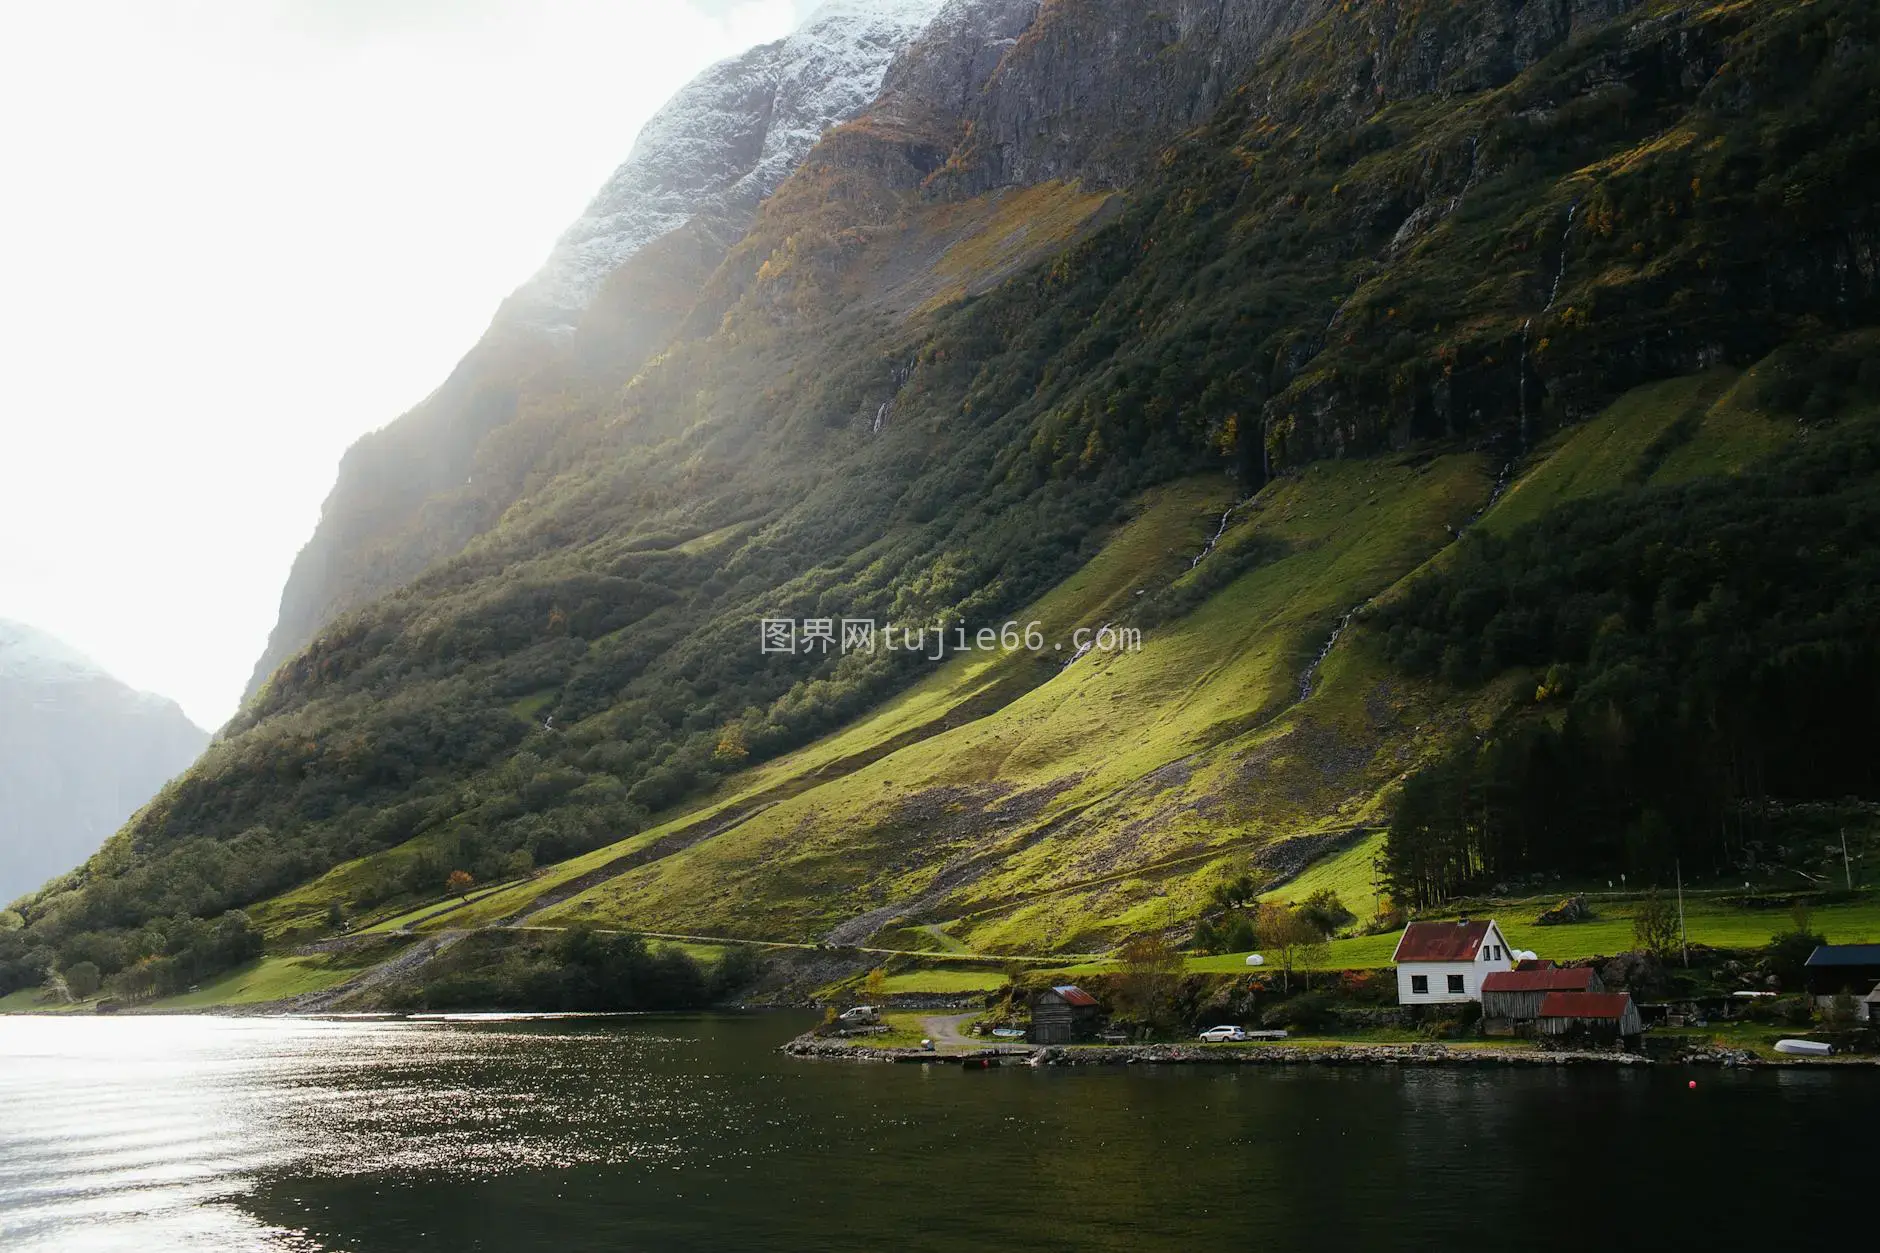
1511	999
1063	1015
1833	968
1603	1016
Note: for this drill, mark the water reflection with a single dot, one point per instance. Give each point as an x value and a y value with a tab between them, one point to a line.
506	1133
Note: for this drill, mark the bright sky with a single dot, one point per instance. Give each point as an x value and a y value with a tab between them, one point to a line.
235	235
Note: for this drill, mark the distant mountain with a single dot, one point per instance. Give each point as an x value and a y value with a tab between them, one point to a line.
79	753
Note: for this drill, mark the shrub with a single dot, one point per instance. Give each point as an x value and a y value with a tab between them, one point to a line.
1309	1011
1325	911
1788	952
83	981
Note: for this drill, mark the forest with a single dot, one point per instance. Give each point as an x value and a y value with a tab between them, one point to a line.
1701	656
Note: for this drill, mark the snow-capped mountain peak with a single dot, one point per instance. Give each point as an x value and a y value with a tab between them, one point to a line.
28	654
722	144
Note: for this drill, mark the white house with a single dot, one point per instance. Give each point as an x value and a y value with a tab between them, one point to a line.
1443	963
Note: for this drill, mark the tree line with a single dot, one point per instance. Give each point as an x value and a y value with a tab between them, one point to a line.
1698	653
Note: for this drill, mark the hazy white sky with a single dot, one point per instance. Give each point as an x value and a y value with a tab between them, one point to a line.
237	234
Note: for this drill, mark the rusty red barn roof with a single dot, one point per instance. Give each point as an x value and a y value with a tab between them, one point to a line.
1440	941
1552	980
1585	1004
1074	995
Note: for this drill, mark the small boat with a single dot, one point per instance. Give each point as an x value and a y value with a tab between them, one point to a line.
1804	1048
1008	1033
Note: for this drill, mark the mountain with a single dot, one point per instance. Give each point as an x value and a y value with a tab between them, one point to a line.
1309	421
79	753
415	492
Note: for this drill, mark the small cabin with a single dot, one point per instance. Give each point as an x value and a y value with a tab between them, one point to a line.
1064	1015
1444	963
1607	1017
1511	999
1836	968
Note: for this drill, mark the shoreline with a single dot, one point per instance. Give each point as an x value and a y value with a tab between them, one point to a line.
812	1047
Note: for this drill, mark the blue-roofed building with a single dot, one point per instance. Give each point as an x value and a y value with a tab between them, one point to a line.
1835	968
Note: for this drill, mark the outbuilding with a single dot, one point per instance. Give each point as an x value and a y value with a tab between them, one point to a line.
1063	1014
1444	963
1511	999
1835	968
1603	1016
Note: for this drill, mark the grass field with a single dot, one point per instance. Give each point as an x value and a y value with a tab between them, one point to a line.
1351	875
1006	804
944	981
270	979
1710	921
30	1001
1094	746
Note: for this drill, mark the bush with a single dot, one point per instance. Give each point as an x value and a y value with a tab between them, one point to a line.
1450	1023
1309	1011
1391	919
83	981
1788	1011
1325	911
1239	935
1788	955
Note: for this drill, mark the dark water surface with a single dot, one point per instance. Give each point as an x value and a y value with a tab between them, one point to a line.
693	1133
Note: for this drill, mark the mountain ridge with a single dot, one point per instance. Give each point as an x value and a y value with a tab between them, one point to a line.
1416	256
697	173
80	752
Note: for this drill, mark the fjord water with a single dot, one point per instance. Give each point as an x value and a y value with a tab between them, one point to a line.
693	1133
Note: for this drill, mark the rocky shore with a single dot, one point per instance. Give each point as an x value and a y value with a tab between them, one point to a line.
1422	1054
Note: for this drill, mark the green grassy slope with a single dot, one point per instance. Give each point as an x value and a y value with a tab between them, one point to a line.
1111	796
1065	784
1428	236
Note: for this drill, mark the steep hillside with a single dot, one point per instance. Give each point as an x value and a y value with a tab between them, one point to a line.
1020	342
79	753
418	490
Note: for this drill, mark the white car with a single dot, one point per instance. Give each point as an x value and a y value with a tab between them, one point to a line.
1224	1035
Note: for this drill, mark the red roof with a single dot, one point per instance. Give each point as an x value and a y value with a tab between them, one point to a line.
1074	995
1441	941
1585	1004
1580	980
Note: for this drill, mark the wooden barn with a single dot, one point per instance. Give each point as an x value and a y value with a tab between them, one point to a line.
1833	968
1607	1017
1063	1015
1511	999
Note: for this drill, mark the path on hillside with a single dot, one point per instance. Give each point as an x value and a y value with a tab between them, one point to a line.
944	1031
401	963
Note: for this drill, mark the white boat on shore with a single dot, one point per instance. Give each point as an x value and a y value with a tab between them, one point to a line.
1804	1048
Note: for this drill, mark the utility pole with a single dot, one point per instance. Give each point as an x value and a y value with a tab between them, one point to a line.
1847	867
1684	941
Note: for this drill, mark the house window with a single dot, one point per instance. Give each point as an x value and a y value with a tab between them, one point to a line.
1419	985
1455	984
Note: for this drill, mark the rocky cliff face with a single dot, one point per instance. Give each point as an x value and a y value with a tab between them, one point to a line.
79	753
723	205
720	146
415	492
